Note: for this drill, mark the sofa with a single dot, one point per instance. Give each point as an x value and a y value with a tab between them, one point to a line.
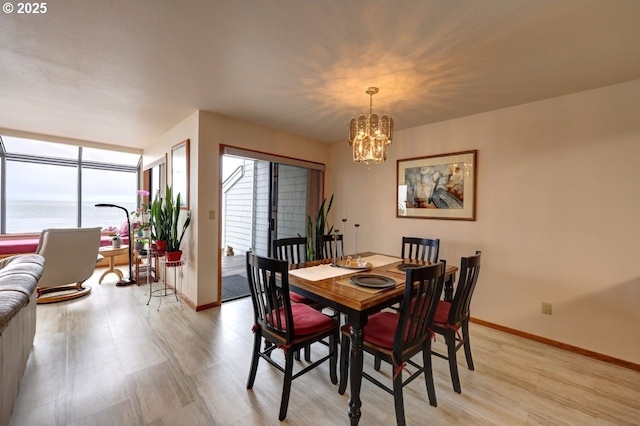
19	277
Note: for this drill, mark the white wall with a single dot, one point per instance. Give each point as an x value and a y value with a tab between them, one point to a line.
558	209
161	147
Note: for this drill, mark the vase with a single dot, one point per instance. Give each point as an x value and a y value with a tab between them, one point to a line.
161	245
116	242
173	256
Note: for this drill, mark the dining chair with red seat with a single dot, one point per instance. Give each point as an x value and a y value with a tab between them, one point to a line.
285	325
426	249
294	251
396	337
414	248
453	316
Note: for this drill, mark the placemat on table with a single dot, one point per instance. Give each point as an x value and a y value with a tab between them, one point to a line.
395	269
319	272
381	260
371	290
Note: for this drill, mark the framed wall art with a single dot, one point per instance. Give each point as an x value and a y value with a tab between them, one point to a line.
180	172
437	186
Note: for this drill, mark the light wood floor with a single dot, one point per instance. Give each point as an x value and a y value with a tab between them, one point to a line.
109	359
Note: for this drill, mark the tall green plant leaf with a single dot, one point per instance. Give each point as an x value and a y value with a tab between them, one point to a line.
318	227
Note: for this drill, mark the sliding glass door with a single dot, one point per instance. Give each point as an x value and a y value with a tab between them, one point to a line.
265	200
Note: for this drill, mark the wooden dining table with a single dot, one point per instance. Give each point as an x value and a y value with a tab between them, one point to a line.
330	285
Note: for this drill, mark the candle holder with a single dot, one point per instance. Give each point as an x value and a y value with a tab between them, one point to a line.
357	225
335	247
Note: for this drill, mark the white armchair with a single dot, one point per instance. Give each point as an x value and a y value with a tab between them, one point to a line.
70	259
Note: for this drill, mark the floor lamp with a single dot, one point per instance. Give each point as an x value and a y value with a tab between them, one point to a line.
124	282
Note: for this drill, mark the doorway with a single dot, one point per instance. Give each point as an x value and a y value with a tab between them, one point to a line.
263	199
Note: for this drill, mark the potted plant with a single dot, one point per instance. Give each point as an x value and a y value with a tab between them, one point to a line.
116	241
158	223
140	221
175	232
317	227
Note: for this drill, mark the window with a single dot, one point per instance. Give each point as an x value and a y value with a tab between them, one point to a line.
40	196
95	155
45	181
38	148
110	187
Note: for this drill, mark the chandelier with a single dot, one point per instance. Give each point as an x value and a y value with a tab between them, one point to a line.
370	135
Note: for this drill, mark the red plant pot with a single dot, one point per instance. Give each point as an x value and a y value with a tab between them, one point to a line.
173	256
161	245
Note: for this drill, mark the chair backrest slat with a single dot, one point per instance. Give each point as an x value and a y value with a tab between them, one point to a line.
328	245
293	250
421	295
426	249
469	272
269	285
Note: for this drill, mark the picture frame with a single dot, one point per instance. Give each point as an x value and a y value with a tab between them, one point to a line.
439	186
180	172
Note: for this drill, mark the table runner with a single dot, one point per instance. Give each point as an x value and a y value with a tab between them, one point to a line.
321	272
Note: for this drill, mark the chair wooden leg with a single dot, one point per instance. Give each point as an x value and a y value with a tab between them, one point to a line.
307	353
428	374
254	359
398	400
450	338
467	344
377	363
345	347
286	387
333	347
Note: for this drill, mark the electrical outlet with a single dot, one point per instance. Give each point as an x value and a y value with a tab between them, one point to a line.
546	308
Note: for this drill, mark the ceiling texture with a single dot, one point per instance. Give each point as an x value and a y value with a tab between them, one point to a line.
124	72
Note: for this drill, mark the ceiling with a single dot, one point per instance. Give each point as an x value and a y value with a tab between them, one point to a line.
124	72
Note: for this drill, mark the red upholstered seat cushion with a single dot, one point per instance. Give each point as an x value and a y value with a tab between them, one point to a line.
381	328
307	320
442	314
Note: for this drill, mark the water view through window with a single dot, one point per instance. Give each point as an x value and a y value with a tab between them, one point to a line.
40	196
42	188
121	190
